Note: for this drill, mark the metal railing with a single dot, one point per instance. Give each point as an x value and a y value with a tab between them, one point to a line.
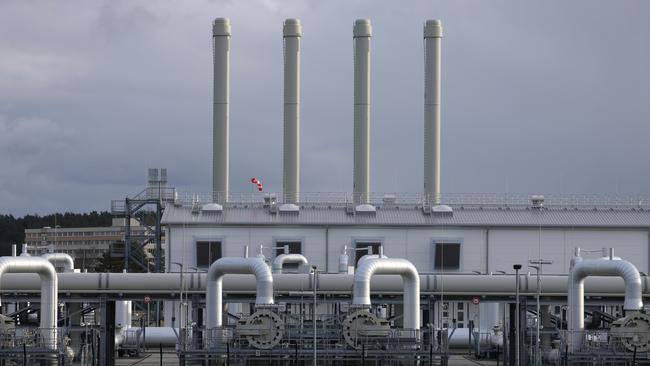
602	347
28	345
468	200
298	344
164	194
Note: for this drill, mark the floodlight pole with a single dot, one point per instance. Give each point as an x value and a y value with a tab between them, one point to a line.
517	267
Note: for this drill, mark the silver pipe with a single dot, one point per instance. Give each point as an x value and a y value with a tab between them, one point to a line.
49	288
123	314
292	32
280	260
372	266
123	320
154	336
13	250
432	61
581	269
231	265
362	32
221	109
60	260
137	284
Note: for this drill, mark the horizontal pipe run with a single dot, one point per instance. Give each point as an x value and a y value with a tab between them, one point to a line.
430	284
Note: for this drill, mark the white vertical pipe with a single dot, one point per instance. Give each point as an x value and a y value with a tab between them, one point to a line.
123	314
230	265
581	269
432	50
221	109
292	32
49	291
362	32
369	267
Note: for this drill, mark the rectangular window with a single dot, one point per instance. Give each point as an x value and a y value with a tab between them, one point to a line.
365	245
207	252
447	256
295	247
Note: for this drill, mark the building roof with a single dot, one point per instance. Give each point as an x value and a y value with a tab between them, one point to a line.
488	215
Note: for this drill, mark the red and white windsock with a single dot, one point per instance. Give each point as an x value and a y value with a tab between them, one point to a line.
258	183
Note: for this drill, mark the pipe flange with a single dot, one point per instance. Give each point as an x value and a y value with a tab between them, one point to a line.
271	329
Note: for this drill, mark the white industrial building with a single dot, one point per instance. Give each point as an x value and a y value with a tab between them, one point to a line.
438	233
481	238
484	238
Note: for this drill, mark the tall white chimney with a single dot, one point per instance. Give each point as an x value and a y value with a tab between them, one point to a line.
432	47
362	32
292	32
221	109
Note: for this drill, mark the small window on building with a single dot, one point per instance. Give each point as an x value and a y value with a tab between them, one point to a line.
365	245
295	247
447	256
207	252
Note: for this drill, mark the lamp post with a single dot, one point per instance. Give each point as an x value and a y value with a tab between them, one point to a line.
517	267
315	272
180	310
537	265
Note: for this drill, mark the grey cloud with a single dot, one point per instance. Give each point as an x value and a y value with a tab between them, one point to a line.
538	97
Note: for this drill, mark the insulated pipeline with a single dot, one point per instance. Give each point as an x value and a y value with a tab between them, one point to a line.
383	266
49	291
232	265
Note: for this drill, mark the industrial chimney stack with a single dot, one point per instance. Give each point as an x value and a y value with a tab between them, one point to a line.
292	32
221	109
432	47
362	32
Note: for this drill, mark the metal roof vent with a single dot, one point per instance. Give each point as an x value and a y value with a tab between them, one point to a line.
196	207
365	208
442	210
289	208
177	200
537	201
212	207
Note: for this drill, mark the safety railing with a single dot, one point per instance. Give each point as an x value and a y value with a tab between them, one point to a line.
605	346
388	199
42	338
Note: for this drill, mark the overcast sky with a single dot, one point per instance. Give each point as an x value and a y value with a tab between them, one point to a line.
538	97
